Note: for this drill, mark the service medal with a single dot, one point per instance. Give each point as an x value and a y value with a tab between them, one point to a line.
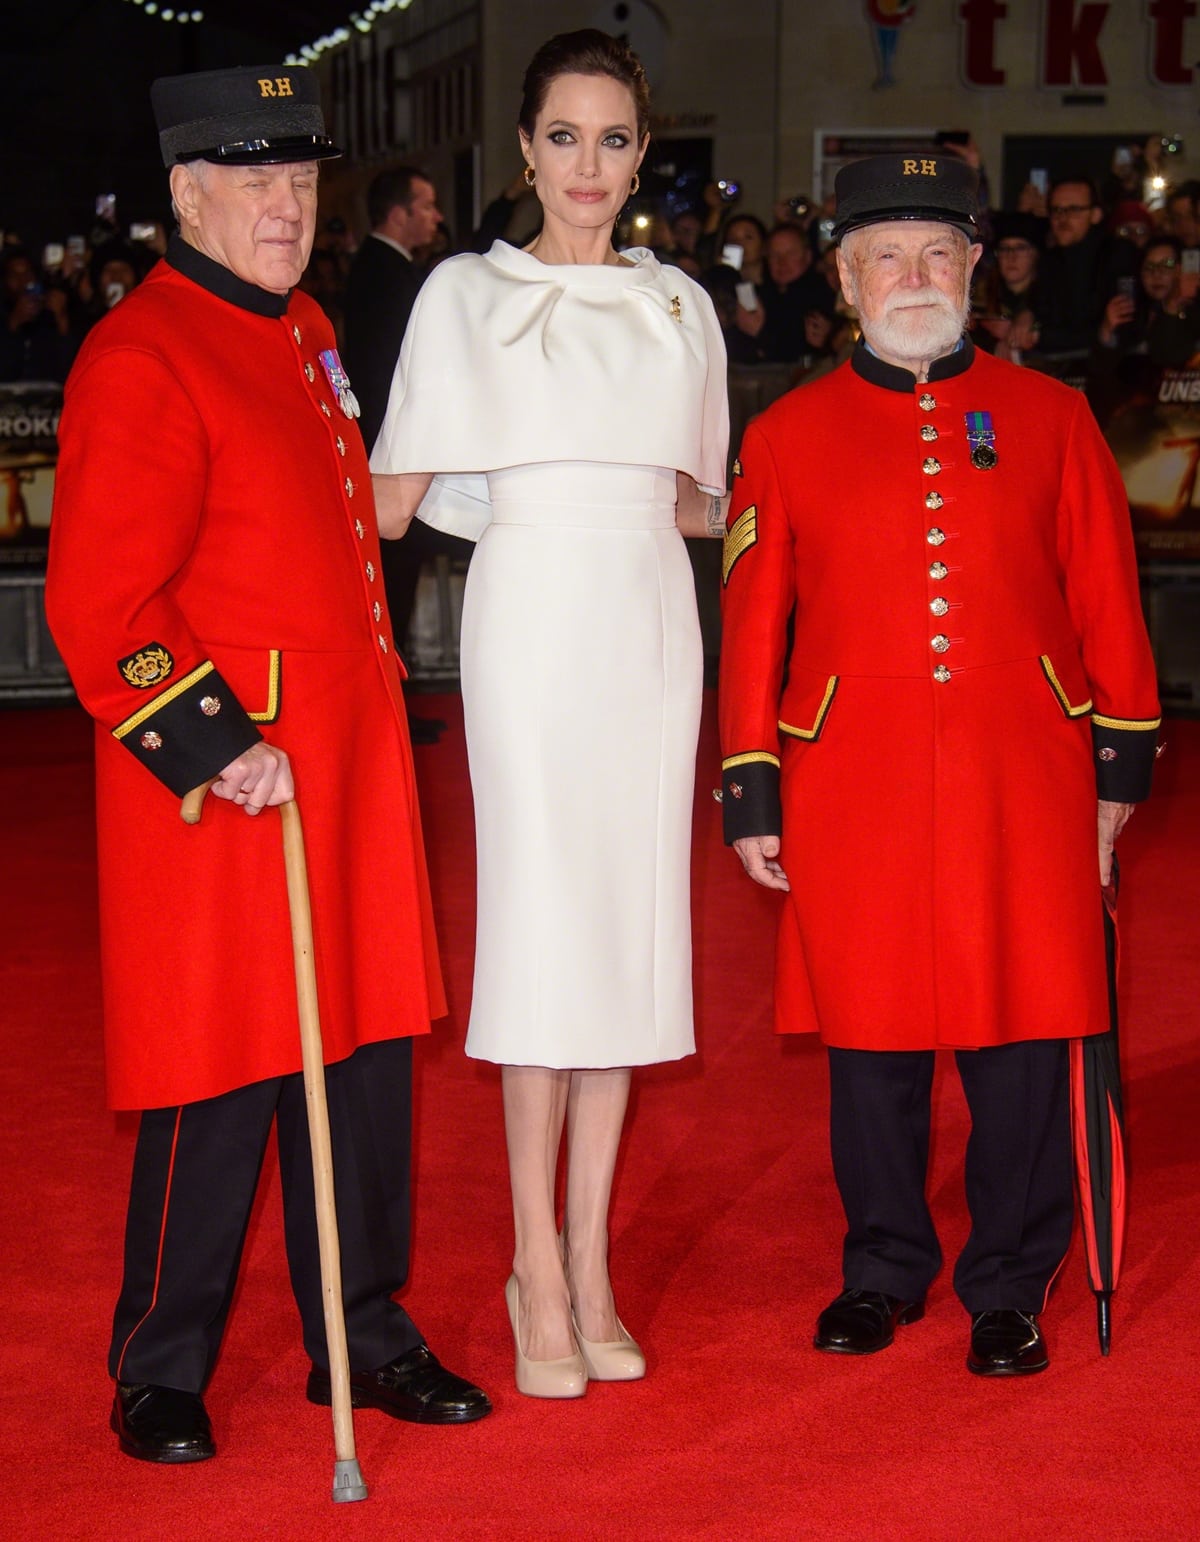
339	382
981	436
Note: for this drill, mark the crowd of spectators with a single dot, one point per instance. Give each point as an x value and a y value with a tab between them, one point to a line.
1077	279
49	301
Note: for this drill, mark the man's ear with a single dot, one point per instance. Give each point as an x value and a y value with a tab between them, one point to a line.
183	195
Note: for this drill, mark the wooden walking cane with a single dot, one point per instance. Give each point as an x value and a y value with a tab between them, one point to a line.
347	1476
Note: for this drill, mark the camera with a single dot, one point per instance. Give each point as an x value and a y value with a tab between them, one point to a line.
800	206
729	191
1172	144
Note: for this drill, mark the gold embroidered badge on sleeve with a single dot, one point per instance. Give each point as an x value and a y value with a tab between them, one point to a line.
150	667
739	538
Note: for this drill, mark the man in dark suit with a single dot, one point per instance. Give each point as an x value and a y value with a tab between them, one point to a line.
381	289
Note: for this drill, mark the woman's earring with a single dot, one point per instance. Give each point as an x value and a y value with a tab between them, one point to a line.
635	184
530	176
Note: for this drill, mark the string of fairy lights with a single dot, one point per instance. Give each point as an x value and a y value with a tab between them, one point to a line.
358	21
309	53
168	12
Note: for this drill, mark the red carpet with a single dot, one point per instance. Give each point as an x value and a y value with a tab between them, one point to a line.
726	1238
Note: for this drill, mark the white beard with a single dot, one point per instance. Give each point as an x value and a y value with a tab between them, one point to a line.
903	332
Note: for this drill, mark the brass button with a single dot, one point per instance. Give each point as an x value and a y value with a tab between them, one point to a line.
371	572
341	445
349	488
310	373
210	705
928	432
325	409
383	642
941	674
938	570
935	537
359	529
939	606
934	500
931	466
151	740
296	333
940	643
926	402
377	611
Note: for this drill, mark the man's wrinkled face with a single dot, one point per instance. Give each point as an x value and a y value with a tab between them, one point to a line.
909	281
257	221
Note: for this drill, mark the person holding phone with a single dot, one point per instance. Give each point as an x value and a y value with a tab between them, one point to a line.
1154	315
36	340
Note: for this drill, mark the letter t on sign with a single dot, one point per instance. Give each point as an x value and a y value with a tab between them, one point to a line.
1166	41
979	18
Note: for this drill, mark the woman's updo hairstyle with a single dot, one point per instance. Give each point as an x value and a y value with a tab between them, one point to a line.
587	52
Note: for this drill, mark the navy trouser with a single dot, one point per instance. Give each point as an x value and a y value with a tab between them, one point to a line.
195	1170
1019	1174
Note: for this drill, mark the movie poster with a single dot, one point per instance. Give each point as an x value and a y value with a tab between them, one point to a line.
1152	424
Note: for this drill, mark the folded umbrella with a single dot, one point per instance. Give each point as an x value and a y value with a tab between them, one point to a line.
1098	1133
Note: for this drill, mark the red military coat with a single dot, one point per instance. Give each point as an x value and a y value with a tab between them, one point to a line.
215	578
970	667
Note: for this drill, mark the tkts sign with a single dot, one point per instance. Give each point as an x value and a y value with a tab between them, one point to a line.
1072	52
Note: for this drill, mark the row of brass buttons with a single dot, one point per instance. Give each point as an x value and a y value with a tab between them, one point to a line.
935	536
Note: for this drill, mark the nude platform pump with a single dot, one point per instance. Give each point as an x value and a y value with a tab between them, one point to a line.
614	1359
543	1378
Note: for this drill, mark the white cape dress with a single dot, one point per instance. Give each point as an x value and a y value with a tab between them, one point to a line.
555	404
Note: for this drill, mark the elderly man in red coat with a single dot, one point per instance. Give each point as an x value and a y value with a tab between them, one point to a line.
215	589
948	538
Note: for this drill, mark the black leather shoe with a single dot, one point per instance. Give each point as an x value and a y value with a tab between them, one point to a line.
1006	1343
161	1424
859	1322
415	1386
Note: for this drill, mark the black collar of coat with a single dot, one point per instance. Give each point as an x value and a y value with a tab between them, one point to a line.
219	280
878	372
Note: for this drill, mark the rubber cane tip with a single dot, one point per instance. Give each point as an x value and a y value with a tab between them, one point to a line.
348	1482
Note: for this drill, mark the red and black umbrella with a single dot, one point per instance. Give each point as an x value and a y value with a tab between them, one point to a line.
1098	1129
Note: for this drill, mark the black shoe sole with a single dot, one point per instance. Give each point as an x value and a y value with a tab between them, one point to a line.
1006	1370
171	1457
319	1392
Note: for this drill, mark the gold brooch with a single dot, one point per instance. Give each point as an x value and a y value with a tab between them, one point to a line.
676	309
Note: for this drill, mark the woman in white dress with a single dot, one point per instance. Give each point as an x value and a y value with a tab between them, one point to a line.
566	407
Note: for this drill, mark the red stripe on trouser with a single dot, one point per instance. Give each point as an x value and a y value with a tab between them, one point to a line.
162	1237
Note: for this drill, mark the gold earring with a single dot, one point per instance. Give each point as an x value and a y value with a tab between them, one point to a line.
635	184
530	176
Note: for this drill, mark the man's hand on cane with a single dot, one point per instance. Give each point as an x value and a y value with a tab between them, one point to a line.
258	779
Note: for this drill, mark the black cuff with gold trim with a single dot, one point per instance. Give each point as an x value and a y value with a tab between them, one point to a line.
750	796
190	731
1125	752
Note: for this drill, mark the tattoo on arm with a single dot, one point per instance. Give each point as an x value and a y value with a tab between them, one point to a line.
715	520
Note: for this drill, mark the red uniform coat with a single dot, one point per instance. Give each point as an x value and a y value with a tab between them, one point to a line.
214	578
970	665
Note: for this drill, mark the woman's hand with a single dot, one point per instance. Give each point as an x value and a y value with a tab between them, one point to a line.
397	499
698	513
1117	313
